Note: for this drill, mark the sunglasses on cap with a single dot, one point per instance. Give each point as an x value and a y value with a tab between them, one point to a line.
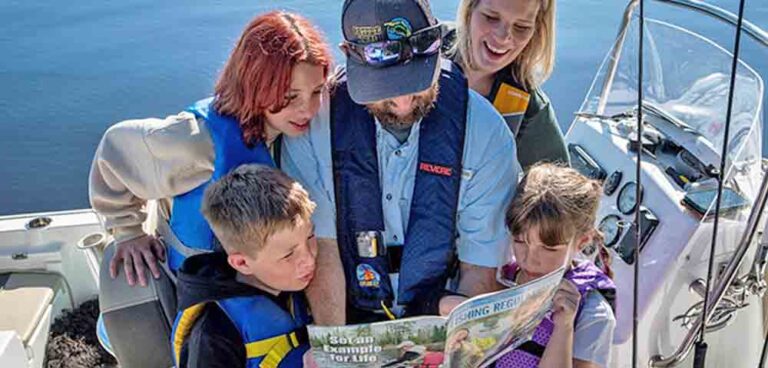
425	42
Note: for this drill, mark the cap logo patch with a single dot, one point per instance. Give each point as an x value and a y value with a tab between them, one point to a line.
367	34
398	28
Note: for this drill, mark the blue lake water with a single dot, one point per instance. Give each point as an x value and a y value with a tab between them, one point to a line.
68	70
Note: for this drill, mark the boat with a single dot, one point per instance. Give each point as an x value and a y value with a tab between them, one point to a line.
49	264
671	243
685	87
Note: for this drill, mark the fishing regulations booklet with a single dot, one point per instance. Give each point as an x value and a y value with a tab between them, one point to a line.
475	334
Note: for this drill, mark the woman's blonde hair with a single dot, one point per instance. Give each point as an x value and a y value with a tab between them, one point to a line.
534	64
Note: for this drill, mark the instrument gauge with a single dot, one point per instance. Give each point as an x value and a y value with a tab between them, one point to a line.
628	201
612	183
611	227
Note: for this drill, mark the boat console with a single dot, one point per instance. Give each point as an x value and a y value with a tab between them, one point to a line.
671	199
675	218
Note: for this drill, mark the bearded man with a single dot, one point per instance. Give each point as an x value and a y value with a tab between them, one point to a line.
411	172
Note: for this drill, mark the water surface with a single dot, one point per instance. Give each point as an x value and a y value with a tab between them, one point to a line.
70	70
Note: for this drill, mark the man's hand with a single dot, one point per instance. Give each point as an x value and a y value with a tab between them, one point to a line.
449	302
473	280
476	280
136	255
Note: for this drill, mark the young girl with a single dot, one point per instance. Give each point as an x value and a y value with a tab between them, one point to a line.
271	85
551	219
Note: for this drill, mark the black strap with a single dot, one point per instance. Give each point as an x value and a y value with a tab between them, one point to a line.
533	348
277	146
395	255
302	336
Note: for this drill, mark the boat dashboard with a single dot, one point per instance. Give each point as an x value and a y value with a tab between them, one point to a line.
674	204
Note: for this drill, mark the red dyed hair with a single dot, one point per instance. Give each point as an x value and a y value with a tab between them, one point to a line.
257	75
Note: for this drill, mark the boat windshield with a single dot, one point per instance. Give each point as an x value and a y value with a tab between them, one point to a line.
685	78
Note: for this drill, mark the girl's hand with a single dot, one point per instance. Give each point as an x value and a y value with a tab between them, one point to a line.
137	255
565	304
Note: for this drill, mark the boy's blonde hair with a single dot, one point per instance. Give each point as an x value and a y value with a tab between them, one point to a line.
559	200
534	64
252	203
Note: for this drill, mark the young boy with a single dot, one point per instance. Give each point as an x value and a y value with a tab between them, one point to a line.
243	307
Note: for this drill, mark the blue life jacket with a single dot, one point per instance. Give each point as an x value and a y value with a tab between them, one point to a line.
272	336
428	254
187	222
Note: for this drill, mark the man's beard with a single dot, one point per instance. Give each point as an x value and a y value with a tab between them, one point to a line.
423	103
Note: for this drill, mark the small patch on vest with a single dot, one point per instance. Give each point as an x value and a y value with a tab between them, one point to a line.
367	276
511	101
435	169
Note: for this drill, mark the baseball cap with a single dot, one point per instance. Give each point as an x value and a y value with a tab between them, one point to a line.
367	21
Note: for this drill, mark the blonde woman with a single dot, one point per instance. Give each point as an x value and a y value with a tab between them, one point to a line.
507	50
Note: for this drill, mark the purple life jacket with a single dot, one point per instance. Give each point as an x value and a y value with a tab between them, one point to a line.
587	277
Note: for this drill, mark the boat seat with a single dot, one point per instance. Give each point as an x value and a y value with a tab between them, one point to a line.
27	301
137	319
12	351
22	309
24	300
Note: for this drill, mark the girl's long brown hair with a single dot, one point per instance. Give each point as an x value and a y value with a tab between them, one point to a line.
559	200
257	74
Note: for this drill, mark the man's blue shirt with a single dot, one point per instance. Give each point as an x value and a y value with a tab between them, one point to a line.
490	175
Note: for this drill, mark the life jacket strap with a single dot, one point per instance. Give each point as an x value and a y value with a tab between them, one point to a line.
274	349
183	327
533	348
170	239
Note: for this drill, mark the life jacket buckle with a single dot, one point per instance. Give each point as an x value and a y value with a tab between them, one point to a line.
370	244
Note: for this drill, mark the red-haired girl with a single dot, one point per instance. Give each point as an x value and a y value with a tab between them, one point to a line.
271	85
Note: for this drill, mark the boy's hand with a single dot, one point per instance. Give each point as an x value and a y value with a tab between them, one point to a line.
136	255
449	302
565	304
309	360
